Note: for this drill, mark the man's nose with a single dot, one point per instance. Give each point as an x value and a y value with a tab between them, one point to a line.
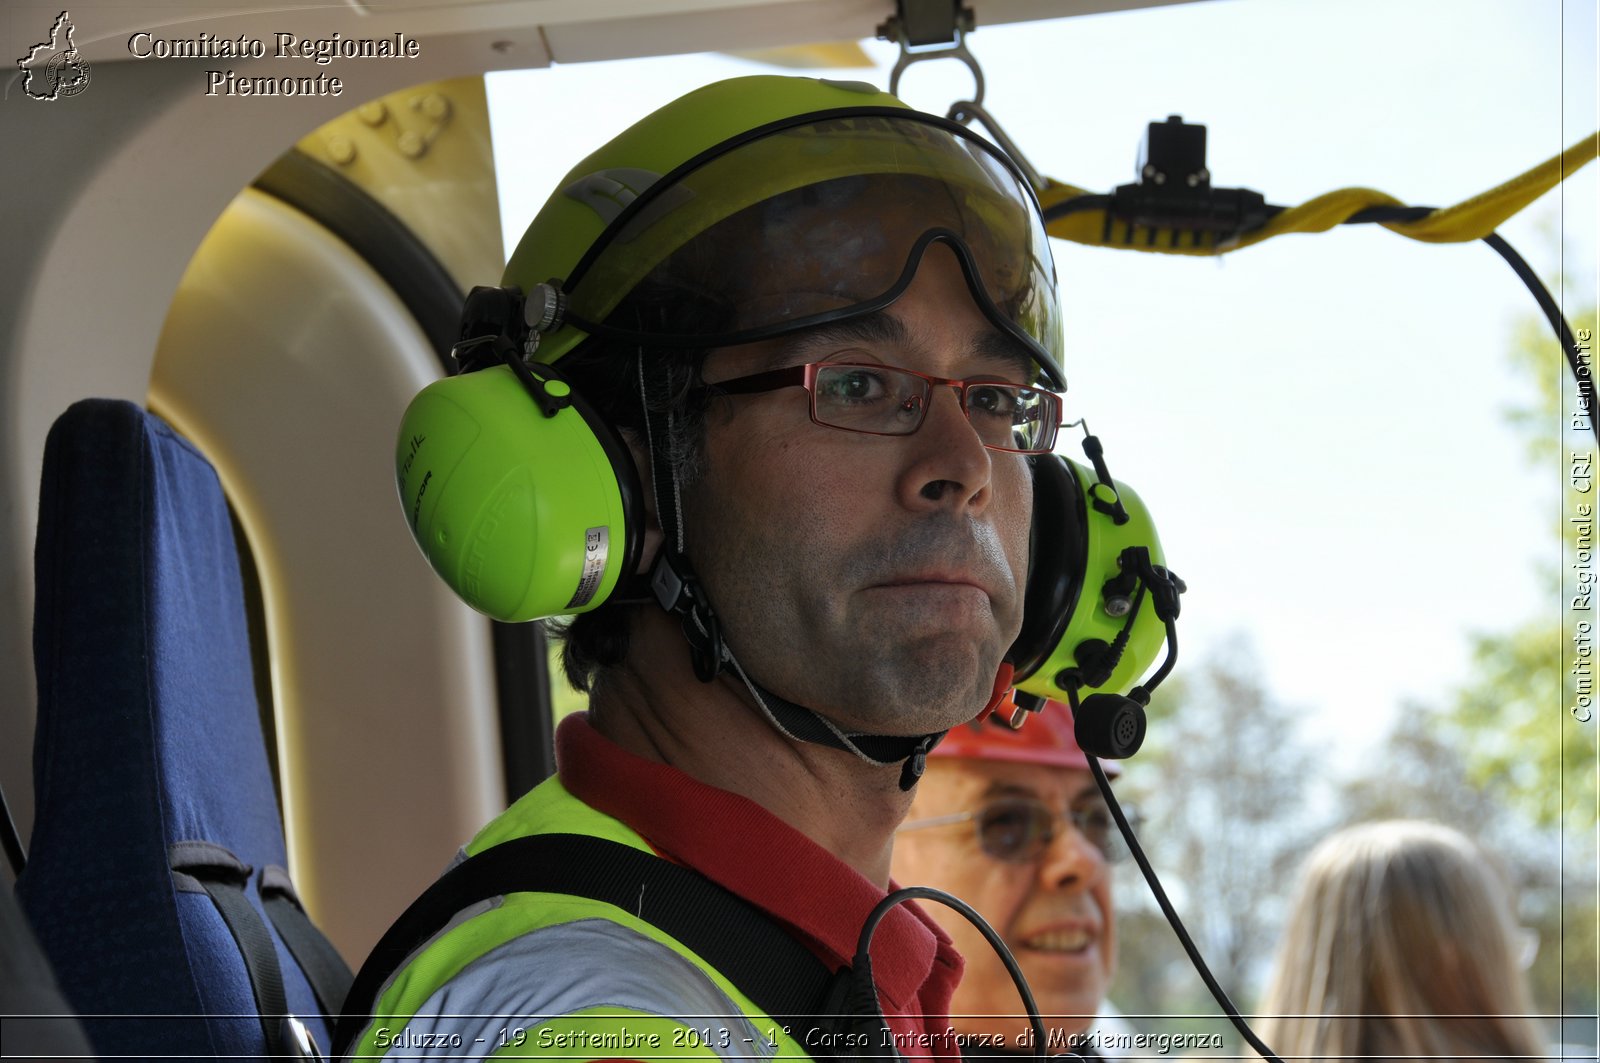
952	467
1071	860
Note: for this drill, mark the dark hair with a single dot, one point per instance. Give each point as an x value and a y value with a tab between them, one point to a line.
607	375
692	293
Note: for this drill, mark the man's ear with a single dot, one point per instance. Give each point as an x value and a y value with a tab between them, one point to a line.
653	537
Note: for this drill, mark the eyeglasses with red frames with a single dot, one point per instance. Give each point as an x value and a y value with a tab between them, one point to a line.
884	400
1018	829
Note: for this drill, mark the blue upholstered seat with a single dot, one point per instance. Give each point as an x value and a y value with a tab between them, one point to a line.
151	775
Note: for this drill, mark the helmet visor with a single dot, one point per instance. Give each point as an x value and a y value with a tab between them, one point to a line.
816	221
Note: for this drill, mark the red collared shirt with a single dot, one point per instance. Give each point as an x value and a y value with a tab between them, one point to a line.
819	898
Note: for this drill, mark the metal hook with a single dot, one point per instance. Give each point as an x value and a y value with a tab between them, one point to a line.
923	33
937	29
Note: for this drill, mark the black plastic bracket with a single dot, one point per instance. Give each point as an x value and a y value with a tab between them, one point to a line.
1174	194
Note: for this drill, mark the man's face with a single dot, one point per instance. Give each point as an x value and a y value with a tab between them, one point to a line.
1054	913
875	579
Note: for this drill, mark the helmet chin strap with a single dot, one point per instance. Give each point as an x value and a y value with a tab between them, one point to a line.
678	590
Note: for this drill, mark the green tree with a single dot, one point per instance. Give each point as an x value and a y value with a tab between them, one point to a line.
1503	757
1514	711
1519	714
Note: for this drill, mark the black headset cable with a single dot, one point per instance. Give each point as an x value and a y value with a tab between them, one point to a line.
863	999
1171	913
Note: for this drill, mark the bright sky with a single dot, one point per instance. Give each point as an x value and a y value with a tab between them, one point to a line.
1316	423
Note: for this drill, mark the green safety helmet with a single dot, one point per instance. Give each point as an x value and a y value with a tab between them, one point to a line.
744	210
763	205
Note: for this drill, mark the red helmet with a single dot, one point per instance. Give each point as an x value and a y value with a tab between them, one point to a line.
1044	738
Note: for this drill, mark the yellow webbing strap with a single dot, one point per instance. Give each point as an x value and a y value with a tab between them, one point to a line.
1471	219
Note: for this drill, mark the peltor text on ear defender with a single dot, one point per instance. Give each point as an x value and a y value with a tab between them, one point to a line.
524	513
1081	629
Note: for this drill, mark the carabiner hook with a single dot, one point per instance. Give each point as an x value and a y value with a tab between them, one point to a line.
937	29
930	38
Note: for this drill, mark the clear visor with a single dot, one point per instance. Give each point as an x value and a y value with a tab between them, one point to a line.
814	223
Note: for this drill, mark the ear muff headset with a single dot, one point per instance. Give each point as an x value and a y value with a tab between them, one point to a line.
522	499
1099	603
1079	627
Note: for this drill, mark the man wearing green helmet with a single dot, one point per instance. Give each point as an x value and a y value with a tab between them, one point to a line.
755	408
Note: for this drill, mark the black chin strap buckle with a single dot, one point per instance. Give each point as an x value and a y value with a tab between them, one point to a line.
917	762
675	588
705	645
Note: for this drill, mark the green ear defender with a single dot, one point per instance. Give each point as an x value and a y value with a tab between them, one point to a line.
1090	620
521	498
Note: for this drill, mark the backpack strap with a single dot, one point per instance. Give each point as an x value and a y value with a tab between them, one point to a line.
779	974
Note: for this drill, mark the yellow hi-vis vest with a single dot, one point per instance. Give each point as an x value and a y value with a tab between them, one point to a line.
558	976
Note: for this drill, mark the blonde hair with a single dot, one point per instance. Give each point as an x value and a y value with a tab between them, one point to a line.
1400	943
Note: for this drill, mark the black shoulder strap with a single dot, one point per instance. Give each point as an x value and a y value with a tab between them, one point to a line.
203	866
324	968
783	977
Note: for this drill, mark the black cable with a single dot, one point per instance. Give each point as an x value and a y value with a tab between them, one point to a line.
1141	694
863	959
1563	330
1168	663
1387	215
1581	373
1171	913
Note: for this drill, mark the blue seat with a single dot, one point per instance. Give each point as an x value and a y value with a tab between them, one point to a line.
155	879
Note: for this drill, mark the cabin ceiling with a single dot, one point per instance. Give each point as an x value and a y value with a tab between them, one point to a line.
522	32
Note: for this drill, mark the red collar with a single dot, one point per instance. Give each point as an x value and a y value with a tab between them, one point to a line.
740	845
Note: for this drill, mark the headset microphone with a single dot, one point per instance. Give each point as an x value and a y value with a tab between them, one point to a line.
1106	637
1098	580
1110	726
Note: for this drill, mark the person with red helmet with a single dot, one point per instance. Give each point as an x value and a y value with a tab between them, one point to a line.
1011	822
